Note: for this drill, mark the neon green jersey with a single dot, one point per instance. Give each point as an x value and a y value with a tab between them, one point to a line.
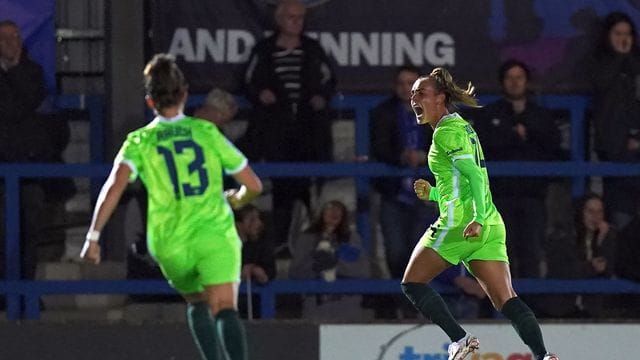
180	161
462	184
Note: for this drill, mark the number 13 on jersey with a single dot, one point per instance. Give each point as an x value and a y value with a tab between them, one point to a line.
184	148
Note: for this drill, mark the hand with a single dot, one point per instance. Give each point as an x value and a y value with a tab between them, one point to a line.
599	264
521	130
232	198
90	252
603	230
318	103
246	271
267	97
259	274
422	189
472	230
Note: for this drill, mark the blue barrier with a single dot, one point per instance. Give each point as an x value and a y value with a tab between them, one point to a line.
577	169
33	290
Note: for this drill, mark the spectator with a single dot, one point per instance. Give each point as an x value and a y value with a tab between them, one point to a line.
22	90
515	128
219	107
258	262
328	249
626	265
397	139
289	82
616	110
587	251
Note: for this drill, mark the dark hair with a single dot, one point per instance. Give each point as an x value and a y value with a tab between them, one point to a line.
164	81
406	68
608	23
442	81
343	233
581	230
509	64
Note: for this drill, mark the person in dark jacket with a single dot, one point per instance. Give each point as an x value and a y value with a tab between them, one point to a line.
22	90
615	74
289	81
515	128
396	139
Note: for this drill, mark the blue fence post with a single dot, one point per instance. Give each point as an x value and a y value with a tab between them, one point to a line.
267	302
362	182
12	233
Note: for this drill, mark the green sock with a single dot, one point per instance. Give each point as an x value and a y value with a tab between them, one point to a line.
203	330
431	305
526	325
231	333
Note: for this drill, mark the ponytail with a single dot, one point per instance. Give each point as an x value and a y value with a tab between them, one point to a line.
443	82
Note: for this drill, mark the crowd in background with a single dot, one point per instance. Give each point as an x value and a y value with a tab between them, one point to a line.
289	82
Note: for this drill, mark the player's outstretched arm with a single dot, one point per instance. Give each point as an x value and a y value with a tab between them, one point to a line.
108	199
250	189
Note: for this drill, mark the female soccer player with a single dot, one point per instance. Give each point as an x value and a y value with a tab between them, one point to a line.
469	228
190	230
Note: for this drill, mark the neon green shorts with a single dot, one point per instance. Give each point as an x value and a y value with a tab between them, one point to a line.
189	270
455	248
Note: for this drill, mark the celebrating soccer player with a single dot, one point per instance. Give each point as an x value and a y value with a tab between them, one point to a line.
469	229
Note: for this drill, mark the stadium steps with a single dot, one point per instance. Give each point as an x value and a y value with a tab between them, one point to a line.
76	271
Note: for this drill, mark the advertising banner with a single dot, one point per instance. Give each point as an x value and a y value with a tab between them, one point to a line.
368	39
497	342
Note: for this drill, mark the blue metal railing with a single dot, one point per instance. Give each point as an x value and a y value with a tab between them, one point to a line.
577	169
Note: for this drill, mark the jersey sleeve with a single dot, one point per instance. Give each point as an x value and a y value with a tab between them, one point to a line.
129	155
232	159
455	143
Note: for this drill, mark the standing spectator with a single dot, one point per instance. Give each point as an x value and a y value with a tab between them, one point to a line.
515	128
22	90
397	139
289	82
258	262
585	252
616	110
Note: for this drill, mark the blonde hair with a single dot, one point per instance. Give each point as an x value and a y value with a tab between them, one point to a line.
221	100
442	81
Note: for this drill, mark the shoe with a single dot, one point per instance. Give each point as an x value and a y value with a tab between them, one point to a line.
551	357
460	349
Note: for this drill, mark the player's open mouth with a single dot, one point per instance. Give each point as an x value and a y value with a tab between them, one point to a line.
417	109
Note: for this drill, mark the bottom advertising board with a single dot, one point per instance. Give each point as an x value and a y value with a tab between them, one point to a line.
497	342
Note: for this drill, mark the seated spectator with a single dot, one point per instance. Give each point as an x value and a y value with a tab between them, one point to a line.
329	250
258	262
22	90
515	128
615	75
584	252
626	265
219	107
